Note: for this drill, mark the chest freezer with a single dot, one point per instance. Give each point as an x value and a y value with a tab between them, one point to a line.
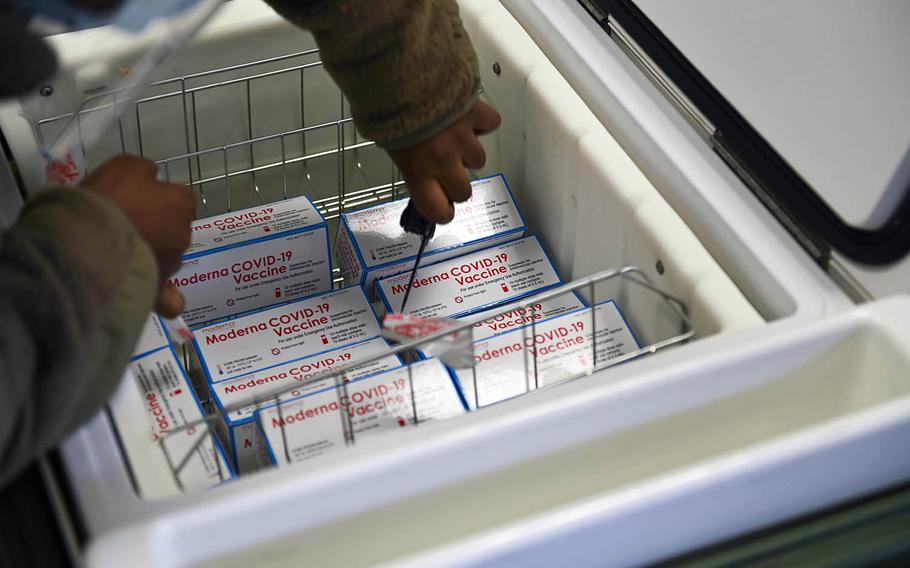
762	390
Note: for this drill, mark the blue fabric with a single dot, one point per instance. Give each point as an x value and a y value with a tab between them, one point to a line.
132	15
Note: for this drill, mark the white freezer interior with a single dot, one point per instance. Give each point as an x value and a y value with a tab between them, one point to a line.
633	472
662	459
593	208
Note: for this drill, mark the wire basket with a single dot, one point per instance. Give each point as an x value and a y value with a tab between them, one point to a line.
250	162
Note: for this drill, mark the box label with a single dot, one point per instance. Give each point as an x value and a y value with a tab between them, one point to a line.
561	348
473	282
304	373
253	276
285	333
236	227
521	316
325	422
170	406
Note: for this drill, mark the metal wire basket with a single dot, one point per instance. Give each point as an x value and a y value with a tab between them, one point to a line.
325	159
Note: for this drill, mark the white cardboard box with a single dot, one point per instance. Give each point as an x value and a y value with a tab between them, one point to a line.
521	316
152	338
322	422
371	244
254	258
473	282
155	399
284	333
244	438
505	364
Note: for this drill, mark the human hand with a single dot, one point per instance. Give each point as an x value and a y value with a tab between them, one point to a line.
435	168
161	213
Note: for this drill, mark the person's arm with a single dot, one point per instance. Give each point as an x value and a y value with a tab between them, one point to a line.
410	74
78	276
76	284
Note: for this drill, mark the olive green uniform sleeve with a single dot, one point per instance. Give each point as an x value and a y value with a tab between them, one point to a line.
76	285
407	67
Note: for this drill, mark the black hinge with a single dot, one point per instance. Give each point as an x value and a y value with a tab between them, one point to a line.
596	12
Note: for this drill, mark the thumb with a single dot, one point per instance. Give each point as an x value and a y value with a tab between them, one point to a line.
485	118
170	303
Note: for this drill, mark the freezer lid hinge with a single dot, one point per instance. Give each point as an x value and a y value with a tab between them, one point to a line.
847	282
659	79
818	249
595	12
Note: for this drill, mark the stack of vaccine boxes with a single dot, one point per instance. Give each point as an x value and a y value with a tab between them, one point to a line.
523	348
160	422
236	262
555	340
299	371
248	358
371	245
275	359
550	351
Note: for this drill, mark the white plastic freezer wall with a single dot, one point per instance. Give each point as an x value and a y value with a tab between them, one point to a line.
593	209
652	464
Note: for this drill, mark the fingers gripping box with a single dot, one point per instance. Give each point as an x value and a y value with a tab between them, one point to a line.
236	398
555	350
151	410
250	259
474	282
371	244
326	421
284	333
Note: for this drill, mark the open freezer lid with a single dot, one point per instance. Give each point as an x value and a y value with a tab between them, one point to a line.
810	97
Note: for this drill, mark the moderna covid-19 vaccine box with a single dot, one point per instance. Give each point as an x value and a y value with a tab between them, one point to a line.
236	398
158	420
550	352
284	333
521	315
371	243
250	259
473	282
326	421
518	315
